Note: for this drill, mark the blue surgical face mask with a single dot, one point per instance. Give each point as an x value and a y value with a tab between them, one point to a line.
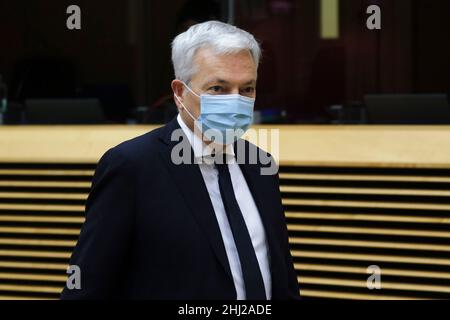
223	118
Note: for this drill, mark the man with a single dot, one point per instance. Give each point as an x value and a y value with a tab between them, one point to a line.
205	227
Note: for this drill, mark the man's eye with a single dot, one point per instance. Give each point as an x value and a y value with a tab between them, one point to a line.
216	89
249	90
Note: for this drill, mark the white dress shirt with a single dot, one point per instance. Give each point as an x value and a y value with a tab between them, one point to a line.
246	204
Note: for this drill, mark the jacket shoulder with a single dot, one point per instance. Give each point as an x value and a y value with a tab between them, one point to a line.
139	147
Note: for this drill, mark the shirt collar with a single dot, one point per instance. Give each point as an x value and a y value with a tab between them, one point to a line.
203	151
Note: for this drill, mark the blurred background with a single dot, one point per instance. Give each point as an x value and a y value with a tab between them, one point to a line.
320	64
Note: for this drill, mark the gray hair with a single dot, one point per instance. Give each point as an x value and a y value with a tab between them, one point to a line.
221	37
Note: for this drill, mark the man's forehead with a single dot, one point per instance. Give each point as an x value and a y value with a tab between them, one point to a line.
238	68
218	80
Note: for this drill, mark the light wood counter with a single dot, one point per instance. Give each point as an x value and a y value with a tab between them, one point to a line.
373	146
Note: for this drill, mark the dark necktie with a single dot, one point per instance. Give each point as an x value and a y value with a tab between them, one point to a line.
254	284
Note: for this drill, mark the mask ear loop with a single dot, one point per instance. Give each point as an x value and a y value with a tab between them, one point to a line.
187	87
184	107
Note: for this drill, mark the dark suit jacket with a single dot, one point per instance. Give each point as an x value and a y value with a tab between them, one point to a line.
151	232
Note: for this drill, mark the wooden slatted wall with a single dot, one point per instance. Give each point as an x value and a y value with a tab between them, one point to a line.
41	213
340	221
343	220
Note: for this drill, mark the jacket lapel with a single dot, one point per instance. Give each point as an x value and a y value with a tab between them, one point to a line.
189	181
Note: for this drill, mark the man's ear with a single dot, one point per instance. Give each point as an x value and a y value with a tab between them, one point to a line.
178	88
